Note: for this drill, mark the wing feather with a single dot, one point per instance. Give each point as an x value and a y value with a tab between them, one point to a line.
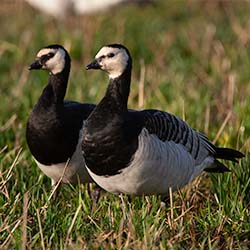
168	127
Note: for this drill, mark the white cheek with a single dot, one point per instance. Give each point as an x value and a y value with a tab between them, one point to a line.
55	66
114	73
116	68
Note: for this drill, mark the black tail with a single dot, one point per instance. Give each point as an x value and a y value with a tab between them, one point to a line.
226	154
217	167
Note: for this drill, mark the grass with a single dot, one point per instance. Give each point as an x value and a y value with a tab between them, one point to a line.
192	59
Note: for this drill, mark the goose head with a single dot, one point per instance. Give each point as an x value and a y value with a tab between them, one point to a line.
113	59
52	58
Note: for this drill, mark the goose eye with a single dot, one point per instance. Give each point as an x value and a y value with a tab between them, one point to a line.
46	57
49	55
111	55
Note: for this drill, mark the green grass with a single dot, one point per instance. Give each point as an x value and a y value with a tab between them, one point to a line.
197	66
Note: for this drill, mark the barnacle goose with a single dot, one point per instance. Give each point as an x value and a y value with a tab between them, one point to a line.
54	125
142	152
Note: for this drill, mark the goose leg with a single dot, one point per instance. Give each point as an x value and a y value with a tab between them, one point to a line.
123	205
165	201
54	189
96	194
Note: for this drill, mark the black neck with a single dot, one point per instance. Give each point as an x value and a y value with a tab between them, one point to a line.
118	89
54	92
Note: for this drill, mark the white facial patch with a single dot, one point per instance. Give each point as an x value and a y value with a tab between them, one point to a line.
115	65
57	62
45	51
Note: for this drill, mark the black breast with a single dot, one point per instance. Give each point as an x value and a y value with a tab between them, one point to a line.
52	134
109	147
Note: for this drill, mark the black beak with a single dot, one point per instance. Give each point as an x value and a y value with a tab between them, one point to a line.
93	65
35	65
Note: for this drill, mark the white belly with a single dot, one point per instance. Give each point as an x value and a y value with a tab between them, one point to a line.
74	172
155	168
